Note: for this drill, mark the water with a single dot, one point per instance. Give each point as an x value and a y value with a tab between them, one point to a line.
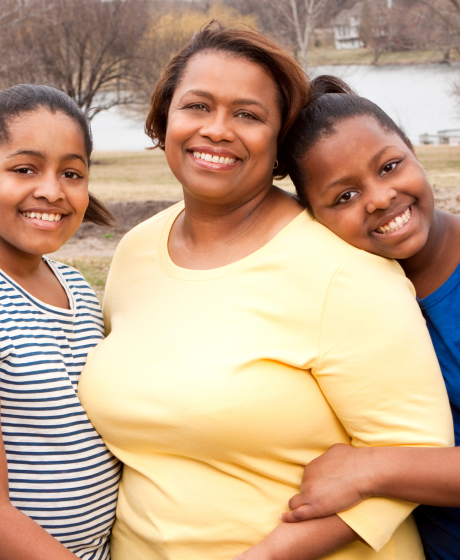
417	97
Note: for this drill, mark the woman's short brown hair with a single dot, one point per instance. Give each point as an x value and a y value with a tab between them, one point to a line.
291	81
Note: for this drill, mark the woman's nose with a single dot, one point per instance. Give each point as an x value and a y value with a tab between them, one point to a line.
380	198
218	127
49	187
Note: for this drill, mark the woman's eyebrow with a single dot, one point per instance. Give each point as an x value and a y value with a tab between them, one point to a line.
247	101
239	101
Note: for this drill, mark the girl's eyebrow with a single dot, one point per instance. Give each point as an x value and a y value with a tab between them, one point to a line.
40	155
346	178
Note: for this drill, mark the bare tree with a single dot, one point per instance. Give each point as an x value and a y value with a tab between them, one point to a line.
88	48
14	13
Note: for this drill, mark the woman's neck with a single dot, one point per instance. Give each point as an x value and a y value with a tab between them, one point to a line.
435	263
208	235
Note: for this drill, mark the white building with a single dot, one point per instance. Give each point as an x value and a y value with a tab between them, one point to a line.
450	136
346	28
347	24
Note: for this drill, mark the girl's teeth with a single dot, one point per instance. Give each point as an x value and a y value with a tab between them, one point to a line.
395	224
214	159
45	217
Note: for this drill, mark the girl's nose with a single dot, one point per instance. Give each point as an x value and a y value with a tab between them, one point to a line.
49	187
380	198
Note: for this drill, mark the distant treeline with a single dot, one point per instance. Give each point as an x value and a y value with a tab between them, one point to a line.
106	53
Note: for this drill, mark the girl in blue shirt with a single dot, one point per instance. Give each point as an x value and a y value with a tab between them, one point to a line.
357	172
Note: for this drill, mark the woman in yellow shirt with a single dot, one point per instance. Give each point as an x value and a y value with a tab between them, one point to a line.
244	338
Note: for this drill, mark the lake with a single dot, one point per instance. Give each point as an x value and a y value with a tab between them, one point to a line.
417	97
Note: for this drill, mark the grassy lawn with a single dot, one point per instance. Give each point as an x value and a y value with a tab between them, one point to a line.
95	271
330	56
146	175
442	164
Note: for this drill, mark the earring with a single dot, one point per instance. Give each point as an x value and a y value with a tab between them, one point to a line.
276	164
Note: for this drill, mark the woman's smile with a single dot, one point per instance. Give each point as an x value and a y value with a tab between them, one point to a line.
214	159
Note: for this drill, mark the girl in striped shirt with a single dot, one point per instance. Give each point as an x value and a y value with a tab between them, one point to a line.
58	481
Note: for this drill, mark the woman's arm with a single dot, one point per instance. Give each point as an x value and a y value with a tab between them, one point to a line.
345	476
309	540
20	537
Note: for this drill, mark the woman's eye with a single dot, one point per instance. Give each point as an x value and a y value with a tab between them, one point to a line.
245	115
71	175
347	196
198	106
389	167
23	170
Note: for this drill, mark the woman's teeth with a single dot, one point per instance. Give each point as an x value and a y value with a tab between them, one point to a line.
45	217
397	223
214	159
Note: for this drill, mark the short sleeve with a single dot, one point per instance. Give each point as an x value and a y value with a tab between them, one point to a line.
379	372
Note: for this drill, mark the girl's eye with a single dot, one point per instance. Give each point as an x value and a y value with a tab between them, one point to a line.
389	167
23	171
71	175
347	196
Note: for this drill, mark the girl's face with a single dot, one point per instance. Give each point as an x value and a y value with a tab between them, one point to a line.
43	183
367	186
223	125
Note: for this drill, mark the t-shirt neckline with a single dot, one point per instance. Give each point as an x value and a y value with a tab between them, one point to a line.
442	291
171	269
41	305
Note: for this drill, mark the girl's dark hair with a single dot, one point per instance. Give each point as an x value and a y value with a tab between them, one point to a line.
24	98
250	45
331	101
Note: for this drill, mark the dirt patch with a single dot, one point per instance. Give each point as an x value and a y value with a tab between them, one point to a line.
96	241
448	199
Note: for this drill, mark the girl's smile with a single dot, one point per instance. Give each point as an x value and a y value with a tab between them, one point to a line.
43	183
367	186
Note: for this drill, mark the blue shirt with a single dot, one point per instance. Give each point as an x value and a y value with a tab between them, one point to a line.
440	527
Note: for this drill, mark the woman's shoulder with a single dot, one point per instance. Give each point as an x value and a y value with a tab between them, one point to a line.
315	245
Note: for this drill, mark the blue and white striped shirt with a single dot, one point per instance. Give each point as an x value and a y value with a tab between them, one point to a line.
60	472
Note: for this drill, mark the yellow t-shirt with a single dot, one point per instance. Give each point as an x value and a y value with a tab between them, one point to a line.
216	387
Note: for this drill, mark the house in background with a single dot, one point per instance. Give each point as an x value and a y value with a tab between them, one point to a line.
449	137
346	28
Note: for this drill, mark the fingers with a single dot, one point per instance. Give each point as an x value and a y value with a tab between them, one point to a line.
302	513
297	501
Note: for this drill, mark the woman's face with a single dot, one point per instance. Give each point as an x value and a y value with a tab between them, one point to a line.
223	125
